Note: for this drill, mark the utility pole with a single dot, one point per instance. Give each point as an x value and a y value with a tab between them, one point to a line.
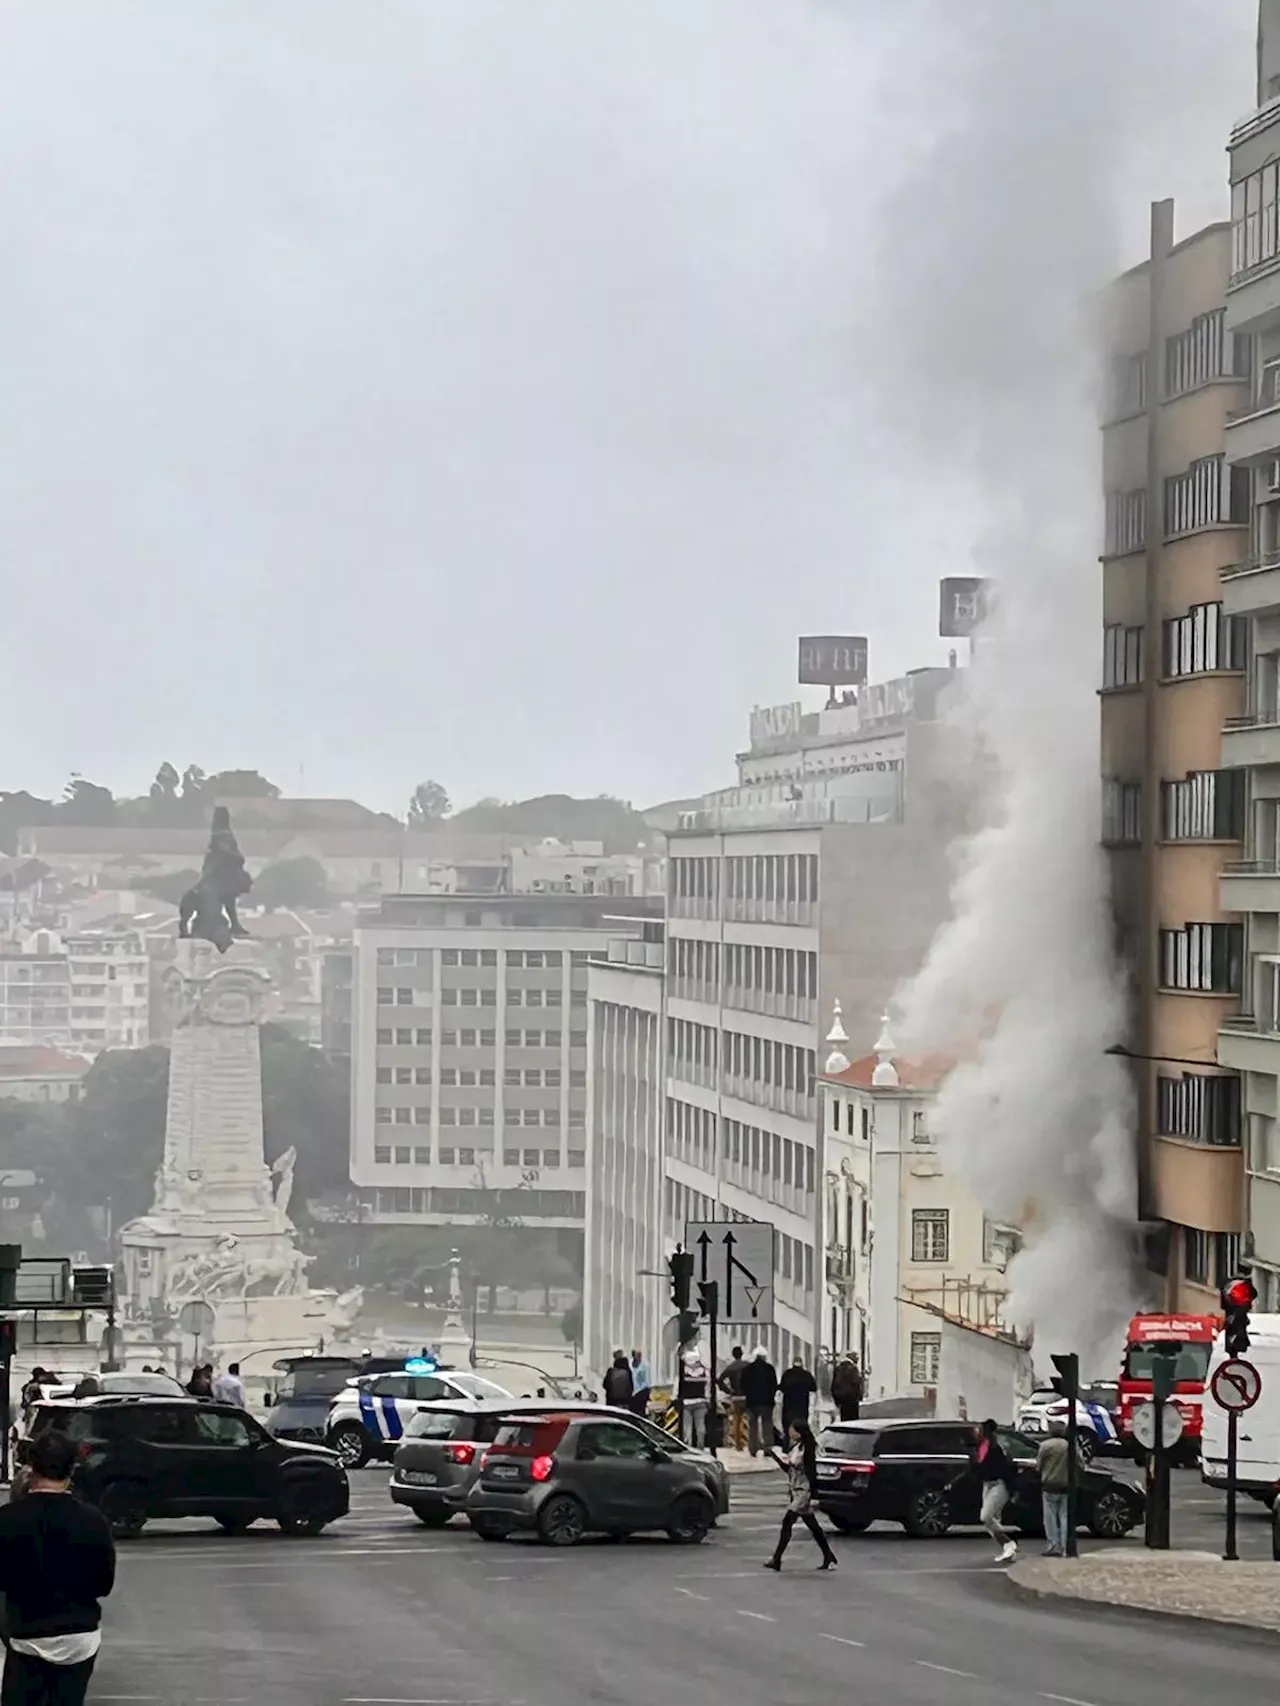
709	1303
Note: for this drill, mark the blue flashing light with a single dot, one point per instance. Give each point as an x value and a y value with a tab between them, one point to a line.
420	1365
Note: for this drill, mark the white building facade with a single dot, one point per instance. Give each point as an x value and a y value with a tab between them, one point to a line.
906	1244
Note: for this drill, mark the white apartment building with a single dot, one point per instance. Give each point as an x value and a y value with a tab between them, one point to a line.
35	993
110	975
905	1243
625	1296
469	1057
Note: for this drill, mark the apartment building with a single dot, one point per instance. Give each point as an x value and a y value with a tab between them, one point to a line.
1250	590
469	1057
35	992
906	1244
822	873
1174	672
625	1295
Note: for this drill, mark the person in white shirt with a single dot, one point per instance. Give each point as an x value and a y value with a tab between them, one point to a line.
228	1388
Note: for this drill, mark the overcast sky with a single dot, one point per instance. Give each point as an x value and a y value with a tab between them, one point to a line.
472	388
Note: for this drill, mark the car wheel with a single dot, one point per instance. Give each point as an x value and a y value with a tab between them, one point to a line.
690	1521
1113	1515
849	1524
125	1508
928	1514
300	1513
234	1524
433	1519
488	1530
352	1445
561	1521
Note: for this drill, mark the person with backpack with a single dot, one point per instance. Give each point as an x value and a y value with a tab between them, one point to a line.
991	1465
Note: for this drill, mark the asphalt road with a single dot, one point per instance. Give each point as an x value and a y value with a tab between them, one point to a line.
380	1610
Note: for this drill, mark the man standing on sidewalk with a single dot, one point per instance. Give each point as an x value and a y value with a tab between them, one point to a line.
57	1561
730	1383
1052	1466
759	1390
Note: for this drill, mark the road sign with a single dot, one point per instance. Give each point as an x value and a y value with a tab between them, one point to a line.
1236	1385
737	1255
197	1318
1144	1425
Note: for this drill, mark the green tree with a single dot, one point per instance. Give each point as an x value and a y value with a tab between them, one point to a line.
306	1101
87	803
165	787
429	805
602	819
239	784
290	882
111	1141
20	810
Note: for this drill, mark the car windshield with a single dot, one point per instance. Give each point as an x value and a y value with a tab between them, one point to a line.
433	1424
477	1387
848	1442
161	1385
1192	1360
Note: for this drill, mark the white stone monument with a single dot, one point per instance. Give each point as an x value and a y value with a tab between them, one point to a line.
219	1228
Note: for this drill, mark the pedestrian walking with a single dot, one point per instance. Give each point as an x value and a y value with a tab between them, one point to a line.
797	1387
799	1461
759	1390
847	1388
995	1473
201	1383
617	1382
693	1398
57	1562
641	1383
228	1388
730	1383
1052	1463
30	1396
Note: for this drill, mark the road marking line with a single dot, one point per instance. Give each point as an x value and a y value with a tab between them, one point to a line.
689	1594
758	1615
719	1575
843	1639
1066	1699
947	1670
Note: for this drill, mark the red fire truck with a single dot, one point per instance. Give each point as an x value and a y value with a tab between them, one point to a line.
1190	1338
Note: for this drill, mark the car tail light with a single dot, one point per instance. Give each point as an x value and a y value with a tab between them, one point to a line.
461	1453
541	1467
859	1468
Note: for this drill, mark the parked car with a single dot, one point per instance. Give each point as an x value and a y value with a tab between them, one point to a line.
369	1416
565	1475
305	1388
902	1471
144	1457
1097	1428
438	1461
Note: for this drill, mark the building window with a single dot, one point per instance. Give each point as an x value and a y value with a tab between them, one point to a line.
930	1234
1200	1106
385	995
404	998
1204	352
1121	812
1195	1255
1128	386
1226	1257
1121	656
385	1037
926	1351
1253	220
382	1155
1204	640
919	1128
404	1157
1211	493
1126	522
1207	806
1207	957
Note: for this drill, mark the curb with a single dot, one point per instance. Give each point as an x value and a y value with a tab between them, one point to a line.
1075	1605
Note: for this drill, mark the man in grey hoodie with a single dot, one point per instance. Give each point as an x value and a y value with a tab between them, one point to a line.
1052	1464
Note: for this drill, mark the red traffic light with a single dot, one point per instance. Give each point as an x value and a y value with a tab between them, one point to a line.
1240	1294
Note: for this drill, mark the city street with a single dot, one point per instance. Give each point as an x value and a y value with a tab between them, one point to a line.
380	1610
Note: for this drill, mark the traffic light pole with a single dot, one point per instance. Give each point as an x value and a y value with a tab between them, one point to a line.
1157	1525
713	1403
1229	1553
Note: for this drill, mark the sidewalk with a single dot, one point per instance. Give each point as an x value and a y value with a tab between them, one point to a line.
740	1463
1178	1584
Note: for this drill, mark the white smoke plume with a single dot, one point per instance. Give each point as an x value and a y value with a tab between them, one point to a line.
994	249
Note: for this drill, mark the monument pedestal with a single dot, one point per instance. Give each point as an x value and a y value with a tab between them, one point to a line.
219	1230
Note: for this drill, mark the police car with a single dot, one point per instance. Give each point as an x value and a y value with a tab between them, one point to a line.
1095	1425
368	1417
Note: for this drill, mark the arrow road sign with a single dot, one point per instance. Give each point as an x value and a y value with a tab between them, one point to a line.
738	1256
1235	1385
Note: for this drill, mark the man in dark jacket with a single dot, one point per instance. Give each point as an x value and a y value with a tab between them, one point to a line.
797	1386
57	1561
759	1389
846	1388
730	1383
990	1464
618	1384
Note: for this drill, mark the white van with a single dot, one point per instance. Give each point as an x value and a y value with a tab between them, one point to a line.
1258	1432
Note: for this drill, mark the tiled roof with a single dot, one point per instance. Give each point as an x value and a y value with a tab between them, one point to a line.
926	1074
40	1063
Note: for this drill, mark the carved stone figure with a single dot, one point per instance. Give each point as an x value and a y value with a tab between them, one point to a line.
282	1170
208	909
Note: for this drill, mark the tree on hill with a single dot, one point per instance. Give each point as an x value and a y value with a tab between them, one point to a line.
428	805
20	810
87	803
290	882
602	819
239	785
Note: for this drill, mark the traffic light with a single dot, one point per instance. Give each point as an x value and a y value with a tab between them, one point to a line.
1066	1382
688	1326
680	1262
1237	1298
709	1298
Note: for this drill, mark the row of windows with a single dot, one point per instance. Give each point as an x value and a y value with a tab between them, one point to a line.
1254	235
693	877
780	1065
1208	806
693	961
691	1134
1204	639
532	958
1208	957
421	1115
1126	522
450	1200
1121	812
1121	656
772	876
768	1155
1211	492
692	1051
1202	1106
772	971
419	1155
1205	351
404	1036
389	996
1210	1258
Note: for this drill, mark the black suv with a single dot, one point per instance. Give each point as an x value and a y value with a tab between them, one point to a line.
877	1471
177	1457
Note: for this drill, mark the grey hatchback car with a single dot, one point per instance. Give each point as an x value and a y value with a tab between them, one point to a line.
438	1461
565	1475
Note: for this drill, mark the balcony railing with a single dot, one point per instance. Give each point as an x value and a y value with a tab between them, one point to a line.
1250	565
